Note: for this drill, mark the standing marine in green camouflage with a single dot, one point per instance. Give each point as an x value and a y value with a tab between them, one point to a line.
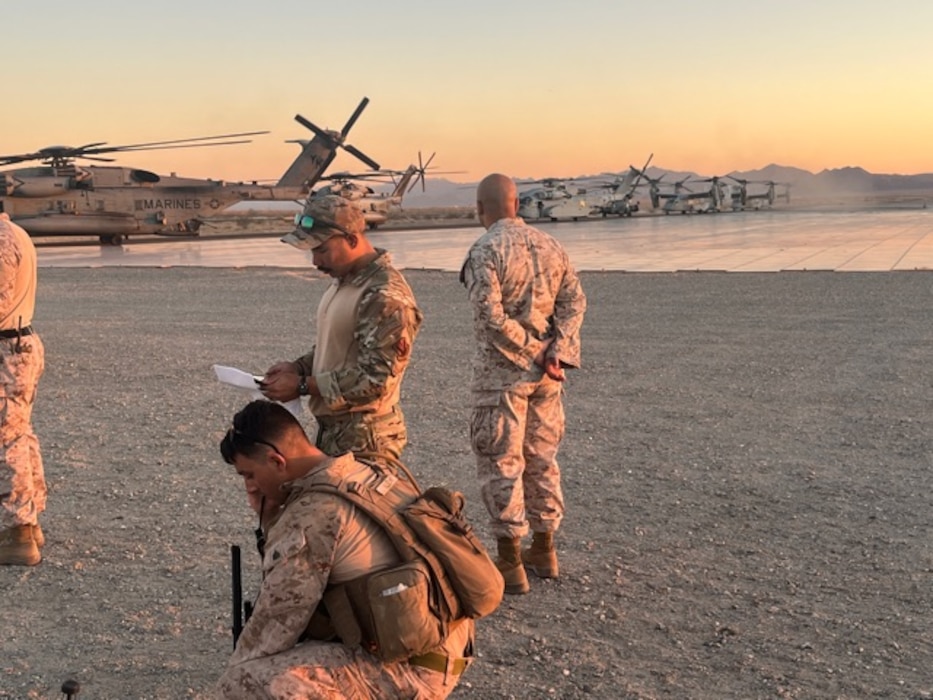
366	325
528	307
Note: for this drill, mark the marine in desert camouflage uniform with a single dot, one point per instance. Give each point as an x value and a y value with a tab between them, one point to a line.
22	360
528	308
366	326
315	541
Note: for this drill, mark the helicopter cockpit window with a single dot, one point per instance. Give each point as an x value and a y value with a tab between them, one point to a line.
143	176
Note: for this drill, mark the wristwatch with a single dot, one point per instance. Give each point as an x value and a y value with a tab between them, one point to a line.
303	386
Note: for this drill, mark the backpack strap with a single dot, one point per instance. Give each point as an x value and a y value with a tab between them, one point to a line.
384	502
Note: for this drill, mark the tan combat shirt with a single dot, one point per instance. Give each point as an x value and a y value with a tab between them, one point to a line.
523	290
366	326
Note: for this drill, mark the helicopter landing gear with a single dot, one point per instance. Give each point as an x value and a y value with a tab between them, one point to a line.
112	239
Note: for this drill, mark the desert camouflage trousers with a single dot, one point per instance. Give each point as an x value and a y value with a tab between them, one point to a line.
22	481
323	670
515	436
367	436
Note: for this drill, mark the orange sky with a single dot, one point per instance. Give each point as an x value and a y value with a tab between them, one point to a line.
529	89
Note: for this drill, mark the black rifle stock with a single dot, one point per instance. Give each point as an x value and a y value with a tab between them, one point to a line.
242	609
237	593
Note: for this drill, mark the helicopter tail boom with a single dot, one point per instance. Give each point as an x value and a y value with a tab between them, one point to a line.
318	153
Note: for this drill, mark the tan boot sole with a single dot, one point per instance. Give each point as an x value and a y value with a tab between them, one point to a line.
518	588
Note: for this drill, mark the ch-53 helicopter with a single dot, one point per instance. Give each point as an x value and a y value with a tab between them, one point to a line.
62	198
552	199
375	205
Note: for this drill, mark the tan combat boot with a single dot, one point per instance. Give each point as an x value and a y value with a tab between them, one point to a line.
509	563
541	557
38	536
17	547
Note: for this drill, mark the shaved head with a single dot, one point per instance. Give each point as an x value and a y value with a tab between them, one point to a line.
496	198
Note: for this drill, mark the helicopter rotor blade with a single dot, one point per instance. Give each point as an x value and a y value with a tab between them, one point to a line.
422	171
170	143
362	156
10	160
60	155
639	175
318	131
353	117
187	145
88	146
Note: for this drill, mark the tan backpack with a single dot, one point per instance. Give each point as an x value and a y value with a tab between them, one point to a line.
446	574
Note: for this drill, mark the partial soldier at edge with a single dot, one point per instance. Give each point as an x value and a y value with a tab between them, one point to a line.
23	489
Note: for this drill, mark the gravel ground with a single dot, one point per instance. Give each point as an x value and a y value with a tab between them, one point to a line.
746	467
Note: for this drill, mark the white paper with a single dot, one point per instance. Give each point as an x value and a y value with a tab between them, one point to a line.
236	377
244	380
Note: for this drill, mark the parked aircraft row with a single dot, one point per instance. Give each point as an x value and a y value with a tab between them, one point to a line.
615	195
59	197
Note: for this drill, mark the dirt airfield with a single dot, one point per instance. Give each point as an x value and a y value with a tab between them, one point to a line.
747	473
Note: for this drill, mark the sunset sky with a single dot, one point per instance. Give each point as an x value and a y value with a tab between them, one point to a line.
531	89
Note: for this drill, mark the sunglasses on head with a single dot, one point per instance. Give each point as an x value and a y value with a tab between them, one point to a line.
235	441
306	223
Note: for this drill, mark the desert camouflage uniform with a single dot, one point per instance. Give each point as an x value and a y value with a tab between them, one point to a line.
22	360
366	326
319	540
523	290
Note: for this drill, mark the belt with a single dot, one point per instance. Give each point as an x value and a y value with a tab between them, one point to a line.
336	419
8	333
438	662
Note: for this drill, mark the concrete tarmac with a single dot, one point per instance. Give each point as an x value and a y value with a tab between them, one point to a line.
758	241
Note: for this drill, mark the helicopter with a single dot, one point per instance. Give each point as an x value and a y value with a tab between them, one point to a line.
552	200
741	199
61	198
687	201
376	205
621	204
669	199
709	201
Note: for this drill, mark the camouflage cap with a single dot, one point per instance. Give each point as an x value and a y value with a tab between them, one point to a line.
324	217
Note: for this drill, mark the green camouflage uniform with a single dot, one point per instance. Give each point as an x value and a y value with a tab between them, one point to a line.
22	360
319	540
523	290
358	408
